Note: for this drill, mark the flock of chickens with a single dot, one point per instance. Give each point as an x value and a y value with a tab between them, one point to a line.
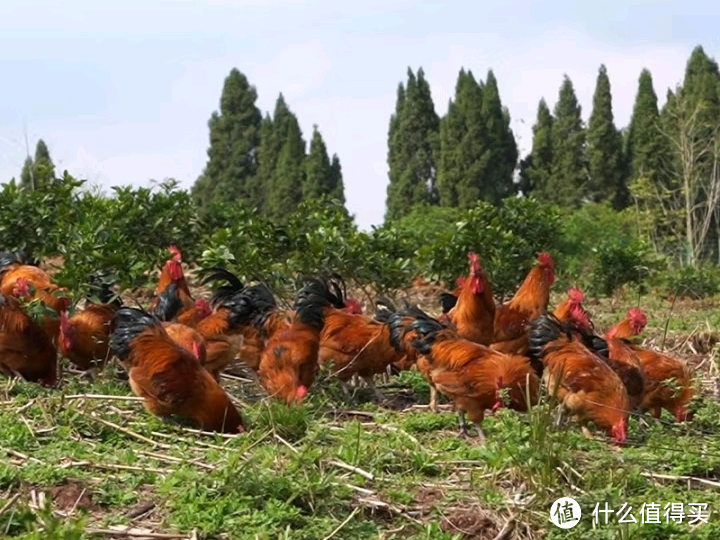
480	354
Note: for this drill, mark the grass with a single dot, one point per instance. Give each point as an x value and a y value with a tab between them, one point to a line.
87	461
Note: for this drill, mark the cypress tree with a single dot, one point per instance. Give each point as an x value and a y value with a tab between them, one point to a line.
536	169
496	178
646	146
604	149
234	139
411	153
320	177
569	177
27	174
463	146
44	166
284	191
336	187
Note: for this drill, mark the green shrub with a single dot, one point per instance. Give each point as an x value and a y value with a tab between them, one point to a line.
689	282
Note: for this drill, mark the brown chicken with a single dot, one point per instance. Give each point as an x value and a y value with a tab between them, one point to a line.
188	339
473	375
584	384
172	272
20	277
633	325
529	302
170	307
355	345
474	313
669	382
25	349
289	362
84	337
567	308
167	376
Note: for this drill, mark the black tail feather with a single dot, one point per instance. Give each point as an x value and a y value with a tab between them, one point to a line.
447	301
127	324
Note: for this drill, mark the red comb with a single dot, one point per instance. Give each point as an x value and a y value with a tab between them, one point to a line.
176	253
460	281
546	259
637	314
575	295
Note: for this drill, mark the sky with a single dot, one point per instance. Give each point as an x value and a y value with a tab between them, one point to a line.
122	93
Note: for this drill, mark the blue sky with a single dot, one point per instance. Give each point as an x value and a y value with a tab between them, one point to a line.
123	93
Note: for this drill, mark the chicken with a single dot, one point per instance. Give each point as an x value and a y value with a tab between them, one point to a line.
289	362
170	307
168	377
20	277
172	272
633	325
355	344
584	384
84	337
189	339
235	326
473	375
669	382
25	349
529	302
474	313
448	300
569	307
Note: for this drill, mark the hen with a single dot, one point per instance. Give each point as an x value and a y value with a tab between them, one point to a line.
167	376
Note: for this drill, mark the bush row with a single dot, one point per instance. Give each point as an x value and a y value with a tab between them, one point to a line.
126	234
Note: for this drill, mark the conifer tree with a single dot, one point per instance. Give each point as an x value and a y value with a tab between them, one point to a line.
604	149
322	177
496	176
234	139
283	189
536	169
569	175
411	147
462	145
646	146
336	187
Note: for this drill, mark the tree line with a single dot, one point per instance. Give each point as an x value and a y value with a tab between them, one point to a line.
662	167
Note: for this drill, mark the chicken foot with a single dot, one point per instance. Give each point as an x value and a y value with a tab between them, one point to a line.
433	398
465	431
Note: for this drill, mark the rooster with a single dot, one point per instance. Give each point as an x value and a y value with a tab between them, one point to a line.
473	375
25	349
578	378
289	362
633	325
167	376
21	277
474	313
170	307
246	315
669	382
529	302
172	272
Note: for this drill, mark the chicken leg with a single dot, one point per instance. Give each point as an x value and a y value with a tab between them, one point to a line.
465	432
